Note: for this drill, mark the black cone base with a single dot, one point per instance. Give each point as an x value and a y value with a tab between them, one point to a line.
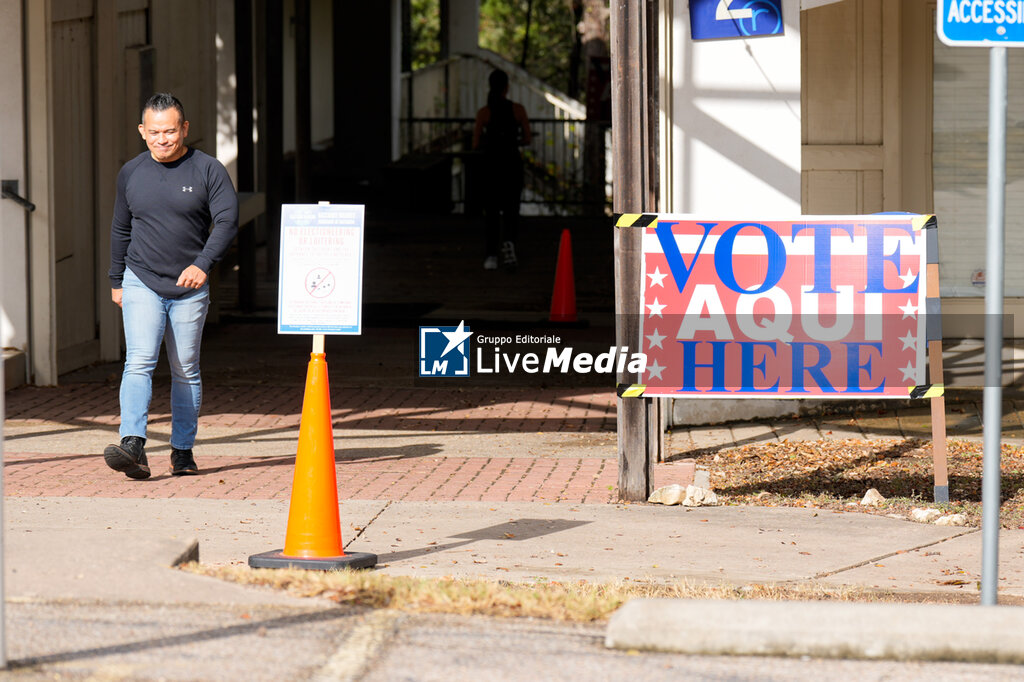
277	559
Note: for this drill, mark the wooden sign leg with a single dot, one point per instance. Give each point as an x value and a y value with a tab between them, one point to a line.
935	375
939	465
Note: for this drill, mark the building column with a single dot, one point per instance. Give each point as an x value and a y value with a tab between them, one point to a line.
732	118
460	28
42	287
363	106
13	243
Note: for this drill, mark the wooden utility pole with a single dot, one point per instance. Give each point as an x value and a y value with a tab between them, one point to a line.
634	169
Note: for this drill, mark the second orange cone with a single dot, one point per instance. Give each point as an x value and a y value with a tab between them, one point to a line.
563	298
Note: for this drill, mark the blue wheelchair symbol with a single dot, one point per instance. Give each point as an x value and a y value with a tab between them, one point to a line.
710	19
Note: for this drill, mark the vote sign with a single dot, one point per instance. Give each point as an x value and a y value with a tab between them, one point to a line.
735	18
982	23
824	307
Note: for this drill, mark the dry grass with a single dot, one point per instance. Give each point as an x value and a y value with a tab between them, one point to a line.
581	601
835	474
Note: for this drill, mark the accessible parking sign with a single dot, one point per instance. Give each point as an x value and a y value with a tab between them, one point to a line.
981	23
711	19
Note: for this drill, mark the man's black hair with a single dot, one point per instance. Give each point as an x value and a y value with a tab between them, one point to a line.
162	101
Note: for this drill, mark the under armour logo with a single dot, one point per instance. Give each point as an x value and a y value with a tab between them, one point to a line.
186	189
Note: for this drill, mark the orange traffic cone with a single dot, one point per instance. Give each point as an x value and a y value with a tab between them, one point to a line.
563	298
313	538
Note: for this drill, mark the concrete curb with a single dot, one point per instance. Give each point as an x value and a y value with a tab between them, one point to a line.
904	632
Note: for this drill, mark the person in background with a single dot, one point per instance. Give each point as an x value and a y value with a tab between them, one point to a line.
162	247
500	129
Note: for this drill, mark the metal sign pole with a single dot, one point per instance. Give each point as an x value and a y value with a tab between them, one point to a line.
993	396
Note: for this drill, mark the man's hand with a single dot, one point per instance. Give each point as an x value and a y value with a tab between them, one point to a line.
115	296
192	277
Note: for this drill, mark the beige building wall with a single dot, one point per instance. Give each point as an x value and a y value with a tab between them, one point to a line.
87	68
867	107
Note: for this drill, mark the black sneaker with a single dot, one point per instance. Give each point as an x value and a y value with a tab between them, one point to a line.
129	457
182	463
508	255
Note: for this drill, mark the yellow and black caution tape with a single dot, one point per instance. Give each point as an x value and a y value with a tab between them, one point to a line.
631	390
920	222
927	391
635	219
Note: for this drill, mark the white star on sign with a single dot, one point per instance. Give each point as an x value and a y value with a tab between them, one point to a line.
656	308
909	310
656	339
657	277
909	341
456	338
909	372
908	278
655	370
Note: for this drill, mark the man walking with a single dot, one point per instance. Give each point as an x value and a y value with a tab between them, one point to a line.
161	249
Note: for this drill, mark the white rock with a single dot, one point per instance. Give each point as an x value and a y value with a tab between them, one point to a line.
872	498
702	478
669	494
952	520
699	497
925	515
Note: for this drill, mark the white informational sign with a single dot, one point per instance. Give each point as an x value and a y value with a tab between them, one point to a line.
320	290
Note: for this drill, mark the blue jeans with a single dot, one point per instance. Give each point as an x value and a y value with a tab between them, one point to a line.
148	320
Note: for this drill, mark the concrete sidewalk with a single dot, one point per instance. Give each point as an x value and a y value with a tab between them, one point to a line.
64	548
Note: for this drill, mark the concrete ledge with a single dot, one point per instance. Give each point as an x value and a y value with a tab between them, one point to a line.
14	368
918	632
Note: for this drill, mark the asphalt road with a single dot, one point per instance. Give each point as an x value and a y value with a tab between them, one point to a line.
322	642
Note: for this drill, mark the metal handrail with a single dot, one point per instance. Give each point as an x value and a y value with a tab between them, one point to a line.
9	190
556	173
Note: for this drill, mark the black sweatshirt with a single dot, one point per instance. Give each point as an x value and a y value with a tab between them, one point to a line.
161	218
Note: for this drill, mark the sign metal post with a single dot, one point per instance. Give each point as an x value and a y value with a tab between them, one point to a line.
996	26
993	395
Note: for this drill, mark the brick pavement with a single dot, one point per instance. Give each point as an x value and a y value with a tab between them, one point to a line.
405	475
413	409
404	443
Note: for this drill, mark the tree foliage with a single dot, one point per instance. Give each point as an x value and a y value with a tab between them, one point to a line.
425	26
503	30
552	35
